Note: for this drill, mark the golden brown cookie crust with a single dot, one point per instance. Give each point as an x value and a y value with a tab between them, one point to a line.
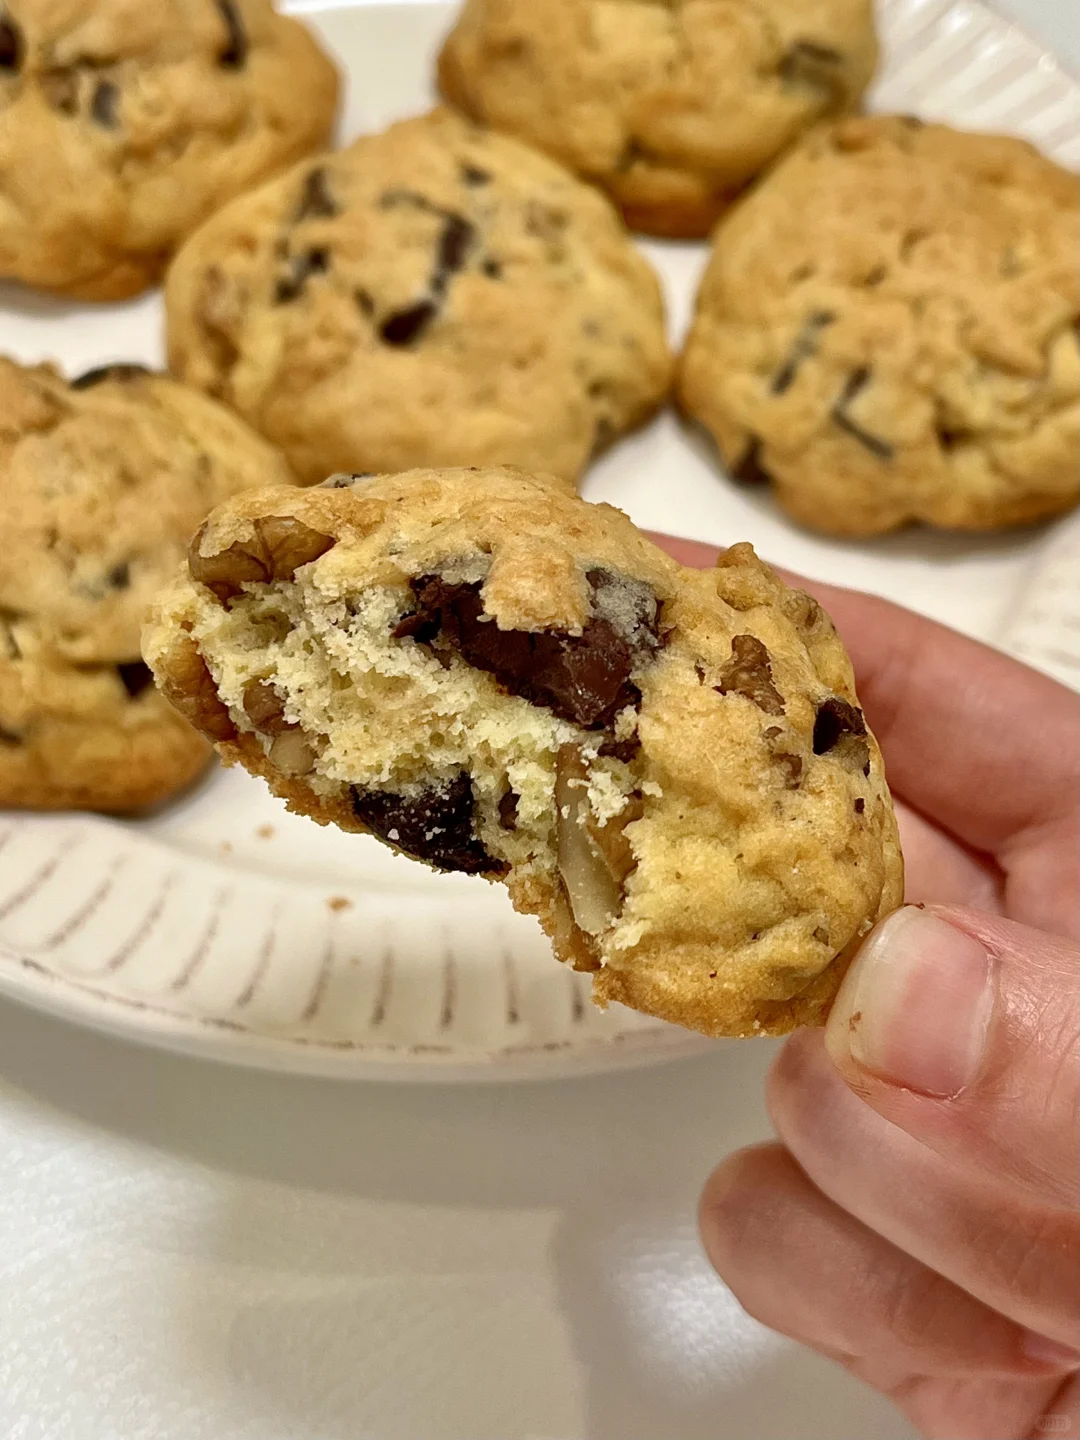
887	330
671	108
434	294
667	766
124	123
101	484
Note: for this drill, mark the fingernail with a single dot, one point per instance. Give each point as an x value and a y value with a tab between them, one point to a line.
1048	1353
915	1006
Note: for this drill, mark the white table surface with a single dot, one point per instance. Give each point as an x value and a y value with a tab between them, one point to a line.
189	1252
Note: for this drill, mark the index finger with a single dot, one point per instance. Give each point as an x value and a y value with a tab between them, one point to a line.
983	745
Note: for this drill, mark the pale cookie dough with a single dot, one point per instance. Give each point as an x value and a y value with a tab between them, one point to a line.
101	485
887	330
671	107
124	123
668	766
434	295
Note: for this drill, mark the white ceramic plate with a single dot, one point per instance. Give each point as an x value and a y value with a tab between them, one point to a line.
225	927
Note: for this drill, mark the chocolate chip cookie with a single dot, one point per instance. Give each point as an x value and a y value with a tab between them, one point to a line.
887	330
101	484
124	124
434	295
669	767
672	108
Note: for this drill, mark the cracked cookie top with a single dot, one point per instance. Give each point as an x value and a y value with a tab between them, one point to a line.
124	123
672	106
101	484
434	294
888	331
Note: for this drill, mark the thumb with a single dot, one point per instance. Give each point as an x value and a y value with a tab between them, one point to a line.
962	1029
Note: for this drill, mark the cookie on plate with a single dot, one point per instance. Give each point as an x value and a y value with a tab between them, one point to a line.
668	766
124	123
672	108
434	295
101	485
887	330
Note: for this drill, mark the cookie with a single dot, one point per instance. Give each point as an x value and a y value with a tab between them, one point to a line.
671	108
124	124
669	767
434	295
887	330
101	485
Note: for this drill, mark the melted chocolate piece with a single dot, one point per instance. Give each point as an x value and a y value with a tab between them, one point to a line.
804	347
405	326
841	727
508	810
103	105
749	673
857	382
235	51
451	251
119	577
120	370
11	45
316	200
623	750
136	676
748	469
581	678
301	267
436	825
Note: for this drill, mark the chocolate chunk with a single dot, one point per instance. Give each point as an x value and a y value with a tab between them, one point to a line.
120	370
749	673
804	347
473	175
435	825
11	45
839	726
119	577
316	200
748	469
457	235
806	63
301	267
860	805
508	810
581	678
624	750
405	326
136	676
235	52
103	105
857	382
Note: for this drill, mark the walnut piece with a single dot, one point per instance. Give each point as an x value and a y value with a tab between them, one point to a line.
279	546
188	685
594	859
291	752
